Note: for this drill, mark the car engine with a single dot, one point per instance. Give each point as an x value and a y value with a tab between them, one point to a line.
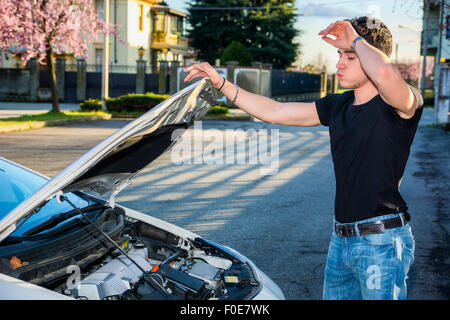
145	262
119	278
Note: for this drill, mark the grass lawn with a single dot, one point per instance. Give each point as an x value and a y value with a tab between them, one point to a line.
343	90
48	116
64	115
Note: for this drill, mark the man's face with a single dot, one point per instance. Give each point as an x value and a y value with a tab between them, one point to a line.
349	71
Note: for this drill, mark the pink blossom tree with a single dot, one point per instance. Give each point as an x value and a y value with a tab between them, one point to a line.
412	71
42	28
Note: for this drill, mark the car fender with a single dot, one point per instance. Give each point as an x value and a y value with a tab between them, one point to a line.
15	289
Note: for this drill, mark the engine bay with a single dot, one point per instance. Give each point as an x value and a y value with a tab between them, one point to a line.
185	268
153	264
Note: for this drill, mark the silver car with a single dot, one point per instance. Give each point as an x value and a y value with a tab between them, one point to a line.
66	238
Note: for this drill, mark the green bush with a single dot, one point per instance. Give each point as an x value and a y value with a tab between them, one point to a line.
236	51
91	105
217	111
135	102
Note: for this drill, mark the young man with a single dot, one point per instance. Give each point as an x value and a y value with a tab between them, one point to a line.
371	130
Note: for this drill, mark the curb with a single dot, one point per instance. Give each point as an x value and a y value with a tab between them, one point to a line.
51	123
236	118
209	118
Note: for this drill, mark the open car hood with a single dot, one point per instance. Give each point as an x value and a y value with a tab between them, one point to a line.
110	165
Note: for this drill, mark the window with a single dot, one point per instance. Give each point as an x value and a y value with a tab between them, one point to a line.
141	17
159	23
18	184
180	26
173	25
99	5
98	59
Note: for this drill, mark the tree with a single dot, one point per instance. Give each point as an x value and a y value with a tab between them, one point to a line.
411	71
236	51
271	32
42	28
267	31
212	30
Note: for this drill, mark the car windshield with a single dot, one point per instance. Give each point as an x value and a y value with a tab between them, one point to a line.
18	184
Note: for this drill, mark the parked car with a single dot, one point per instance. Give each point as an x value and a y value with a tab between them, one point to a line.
67	238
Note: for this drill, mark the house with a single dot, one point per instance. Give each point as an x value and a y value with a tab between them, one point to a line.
438	45
148	30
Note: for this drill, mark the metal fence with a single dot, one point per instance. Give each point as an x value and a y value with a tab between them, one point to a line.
113	68
119	84
122	80
289	82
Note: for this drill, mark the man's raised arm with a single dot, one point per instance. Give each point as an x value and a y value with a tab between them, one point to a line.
260	107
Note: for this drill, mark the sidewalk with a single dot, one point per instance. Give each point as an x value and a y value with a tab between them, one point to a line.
17	109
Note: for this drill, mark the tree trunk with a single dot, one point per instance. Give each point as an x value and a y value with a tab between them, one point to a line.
52	78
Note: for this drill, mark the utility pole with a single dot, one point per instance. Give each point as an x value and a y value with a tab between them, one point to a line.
426	13
105	67
437	65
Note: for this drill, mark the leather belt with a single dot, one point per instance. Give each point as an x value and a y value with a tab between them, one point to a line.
375	227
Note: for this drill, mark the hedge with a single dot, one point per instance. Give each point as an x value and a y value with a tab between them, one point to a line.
91	105
134	102
217	111
138	103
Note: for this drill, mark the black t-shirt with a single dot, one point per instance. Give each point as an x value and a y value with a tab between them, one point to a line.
370	145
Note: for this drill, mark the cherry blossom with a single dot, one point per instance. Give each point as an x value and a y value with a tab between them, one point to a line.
42	28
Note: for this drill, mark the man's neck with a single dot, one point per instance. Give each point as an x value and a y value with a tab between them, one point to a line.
365	93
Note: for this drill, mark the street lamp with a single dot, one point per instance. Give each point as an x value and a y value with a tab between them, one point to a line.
141	51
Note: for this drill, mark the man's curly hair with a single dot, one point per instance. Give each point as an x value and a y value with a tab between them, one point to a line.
375	32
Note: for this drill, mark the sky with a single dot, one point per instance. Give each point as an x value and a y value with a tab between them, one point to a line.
403	18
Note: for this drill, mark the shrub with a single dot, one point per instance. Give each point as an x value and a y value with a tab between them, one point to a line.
217	111
91	105
135	102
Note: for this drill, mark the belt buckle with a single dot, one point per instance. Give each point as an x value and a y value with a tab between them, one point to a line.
382	227
350	230
376	227
342	231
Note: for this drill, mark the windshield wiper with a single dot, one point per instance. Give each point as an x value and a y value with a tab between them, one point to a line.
57	219
42	236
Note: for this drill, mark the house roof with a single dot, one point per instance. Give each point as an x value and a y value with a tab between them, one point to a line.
169	10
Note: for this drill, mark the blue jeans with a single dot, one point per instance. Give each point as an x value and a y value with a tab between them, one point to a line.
372	267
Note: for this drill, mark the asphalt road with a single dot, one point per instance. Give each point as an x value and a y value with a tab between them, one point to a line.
281	221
